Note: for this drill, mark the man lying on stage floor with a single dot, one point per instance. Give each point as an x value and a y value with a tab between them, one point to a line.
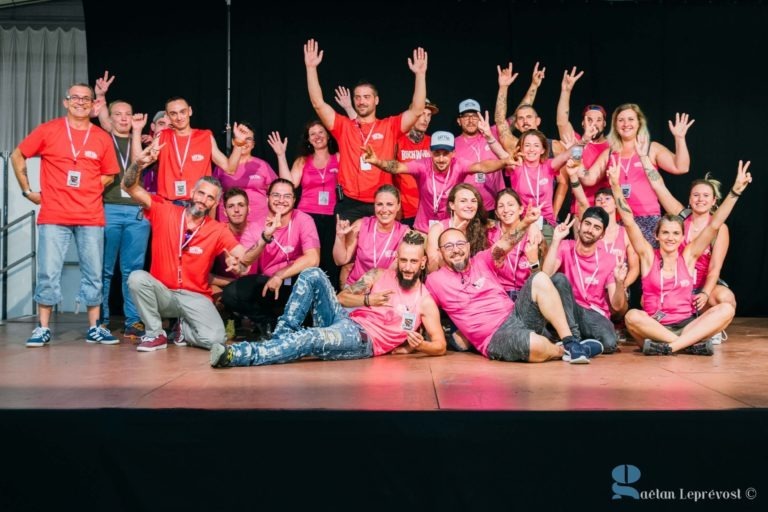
391	307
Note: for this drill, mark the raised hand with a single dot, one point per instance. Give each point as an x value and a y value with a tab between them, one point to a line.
343	226
271	224
103	83
538	75
621	269
532	245
642	145
570	79
562	229
589	133
569	140
380	298
149	154
313	56
680	128
343	98
743	177
277	145
240	132
506	77
572	167
483	125
233	263
419	62
613	173
532	213
138	122
369	155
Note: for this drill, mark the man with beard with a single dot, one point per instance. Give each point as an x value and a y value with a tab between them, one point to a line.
469	291
594	283
358	180
185	243
286	242
391	306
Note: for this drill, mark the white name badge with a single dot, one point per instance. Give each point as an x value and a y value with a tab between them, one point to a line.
409	321
123	193
73	179
659	316
626	190
323	198
540	223
479	177
432	222
364	166
181	188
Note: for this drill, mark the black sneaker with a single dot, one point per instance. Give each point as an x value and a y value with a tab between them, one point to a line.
221	355
653	348
703	348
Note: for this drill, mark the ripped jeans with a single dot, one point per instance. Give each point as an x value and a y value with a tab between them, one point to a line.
334	337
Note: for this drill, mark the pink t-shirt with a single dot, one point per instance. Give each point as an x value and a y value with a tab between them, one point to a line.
318	186
289	242
591	152
434	188
220	263
536	185
671	295
474	299
375	249
635	185
589	275
476	149
516	269
385	323
618	247
254	176
702	264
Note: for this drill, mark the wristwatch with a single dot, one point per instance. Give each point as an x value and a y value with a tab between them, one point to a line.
266	240
534	266
26	193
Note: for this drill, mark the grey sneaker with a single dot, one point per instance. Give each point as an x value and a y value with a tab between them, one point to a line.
703	348
221	355
654	348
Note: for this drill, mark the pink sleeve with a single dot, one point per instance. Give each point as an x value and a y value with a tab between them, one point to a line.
308	234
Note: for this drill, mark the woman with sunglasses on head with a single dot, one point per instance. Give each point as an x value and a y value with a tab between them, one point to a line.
315	170
253	175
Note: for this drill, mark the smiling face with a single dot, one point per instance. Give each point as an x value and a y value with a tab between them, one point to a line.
441	159
508	210
590	231
468	123
385	207
120	113
179	112
318	136
527	119
281	198
464	205
236	209
454	249
532	148
702	198
365	100
627	124
669	233
204	198
79	102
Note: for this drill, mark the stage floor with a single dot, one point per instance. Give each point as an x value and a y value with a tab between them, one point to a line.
71	374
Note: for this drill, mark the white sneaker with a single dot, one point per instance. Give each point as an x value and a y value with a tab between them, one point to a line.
719	338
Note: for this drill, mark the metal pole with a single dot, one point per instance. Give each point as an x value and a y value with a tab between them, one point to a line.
229	89
4	316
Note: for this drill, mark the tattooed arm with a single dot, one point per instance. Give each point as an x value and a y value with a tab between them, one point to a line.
505	244
667	200
641	246
359	293
506	139
131	182
390	166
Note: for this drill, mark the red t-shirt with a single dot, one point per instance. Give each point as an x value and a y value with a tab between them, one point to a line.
190	271
381	135
182	161
71	187
408	150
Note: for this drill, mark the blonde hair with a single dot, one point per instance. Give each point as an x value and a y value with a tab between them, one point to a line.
642	130
714	184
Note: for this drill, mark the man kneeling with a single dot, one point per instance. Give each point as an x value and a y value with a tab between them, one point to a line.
391	306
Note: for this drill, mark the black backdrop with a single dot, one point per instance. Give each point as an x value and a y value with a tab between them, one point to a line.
696	57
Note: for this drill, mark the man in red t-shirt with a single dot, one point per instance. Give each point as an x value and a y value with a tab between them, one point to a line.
358	180
77	161
184	246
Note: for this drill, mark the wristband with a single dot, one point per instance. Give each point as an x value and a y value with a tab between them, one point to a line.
367	299
534	266
574	184
26	193
491	142
266	240
237	143
735	194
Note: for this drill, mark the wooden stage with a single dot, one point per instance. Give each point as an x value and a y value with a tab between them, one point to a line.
165	431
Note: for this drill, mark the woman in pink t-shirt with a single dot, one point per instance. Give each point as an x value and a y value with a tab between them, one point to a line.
253	175
668	323
315	171
709	290
371	242
466	213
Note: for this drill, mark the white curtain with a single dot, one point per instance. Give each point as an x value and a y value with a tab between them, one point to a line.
36	68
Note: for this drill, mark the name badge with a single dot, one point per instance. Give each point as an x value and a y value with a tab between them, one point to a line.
364	166
432	222
73	179
124	194
409	321
181	188
480	177
540	223
626	189
659	316
323	198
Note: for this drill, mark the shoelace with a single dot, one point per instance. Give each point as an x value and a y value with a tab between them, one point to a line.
39	332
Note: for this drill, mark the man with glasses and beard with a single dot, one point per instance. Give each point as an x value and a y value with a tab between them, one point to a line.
468	290
391	307
185	243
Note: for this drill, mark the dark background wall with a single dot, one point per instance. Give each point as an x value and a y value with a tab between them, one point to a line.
702	58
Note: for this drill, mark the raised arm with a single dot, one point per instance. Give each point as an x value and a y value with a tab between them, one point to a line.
597	171
345	243
564	126
344	100
536	78
418	65
719	251
507	140
100	88
390	166
229	164
138	122
484	127
552	262
617	295
279	146
571	172
131	182
693	250
507	241
643	249
313	56
667	200
678	162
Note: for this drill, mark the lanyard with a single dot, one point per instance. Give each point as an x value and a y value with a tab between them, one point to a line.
583	284
123	160
184	241
386	244
538	183
288	240
472	146
370	132
181	161
75	154
623	167
518	250
407	306
661	283
435	196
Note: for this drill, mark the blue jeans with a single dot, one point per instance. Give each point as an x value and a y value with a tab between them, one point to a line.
334	337
126	236
53	242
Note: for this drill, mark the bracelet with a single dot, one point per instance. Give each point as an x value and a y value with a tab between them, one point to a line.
574	184
367	299
491	142
26	193
705	293
735	194
237	143
266	240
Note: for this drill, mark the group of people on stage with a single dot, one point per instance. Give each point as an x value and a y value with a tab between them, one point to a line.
379	238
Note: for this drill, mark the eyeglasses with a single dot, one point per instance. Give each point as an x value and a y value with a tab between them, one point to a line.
80	99
275	195
454	245
470	115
